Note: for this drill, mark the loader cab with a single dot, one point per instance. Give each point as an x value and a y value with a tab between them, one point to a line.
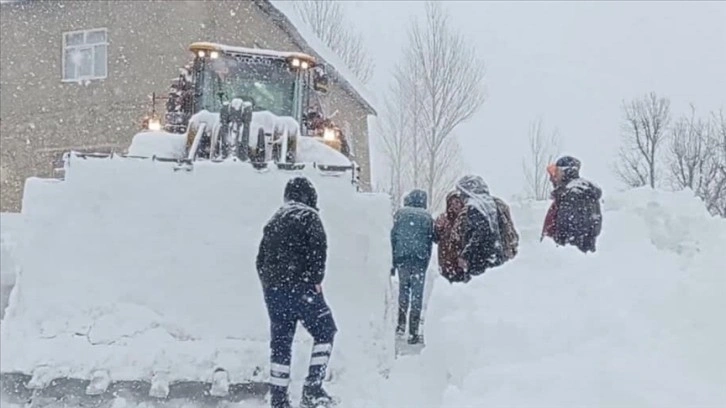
274	82
236	82
283	83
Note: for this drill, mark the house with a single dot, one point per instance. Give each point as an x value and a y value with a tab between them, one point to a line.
78	75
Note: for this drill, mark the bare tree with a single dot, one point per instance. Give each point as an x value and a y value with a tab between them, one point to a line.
697	159
394	127
644	131
715	197
327	20
406	79
437	85
448	168
691	153
543	149
449	83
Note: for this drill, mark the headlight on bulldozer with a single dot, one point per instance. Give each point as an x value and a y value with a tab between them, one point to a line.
154	124
329	134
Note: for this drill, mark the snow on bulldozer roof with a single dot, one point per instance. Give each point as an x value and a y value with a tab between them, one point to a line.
134	268
229	49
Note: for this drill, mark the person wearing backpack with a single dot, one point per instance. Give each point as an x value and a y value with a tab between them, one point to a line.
447	239
509	234
481	236
574	218
412	239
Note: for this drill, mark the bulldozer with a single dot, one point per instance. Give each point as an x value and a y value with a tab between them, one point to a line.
136	281
248	104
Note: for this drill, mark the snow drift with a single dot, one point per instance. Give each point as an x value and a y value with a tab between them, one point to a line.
11	226
136	268
160	144
639	323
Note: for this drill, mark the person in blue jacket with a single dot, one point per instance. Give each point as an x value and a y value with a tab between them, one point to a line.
412	239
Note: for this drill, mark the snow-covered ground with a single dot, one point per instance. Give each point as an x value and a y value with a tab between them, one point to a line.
10	230
145	269
639	323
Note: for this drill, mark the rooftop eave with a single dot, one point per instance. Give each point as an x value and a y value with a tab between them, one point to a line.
286	25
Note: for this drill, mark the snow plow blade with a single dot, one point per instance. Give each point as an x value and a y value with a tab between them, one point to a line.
138	281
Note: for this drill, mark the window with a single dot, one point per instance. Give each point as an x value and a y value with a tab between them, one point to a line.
269	84
85	54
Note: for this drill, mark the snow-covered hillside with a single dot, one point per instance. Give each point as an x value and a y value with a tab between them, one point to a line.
639	323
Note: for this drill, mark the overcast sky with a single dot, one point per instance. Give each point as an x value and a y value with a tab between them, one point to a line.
572	63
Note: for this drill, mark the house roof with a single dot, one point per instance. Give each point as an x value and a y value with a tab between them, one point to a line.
286	19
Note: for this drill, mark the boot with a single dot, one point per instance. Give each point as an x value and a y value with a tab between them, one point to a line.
281	404
317	397
414	339
279	401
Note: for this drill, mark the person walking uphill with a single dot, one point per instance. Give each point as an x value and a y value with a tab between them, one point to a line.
411	243
481	236
291	267
448	239
574	218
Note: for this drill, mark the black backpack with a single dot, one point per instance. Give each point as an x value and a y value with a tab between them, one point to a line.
580	216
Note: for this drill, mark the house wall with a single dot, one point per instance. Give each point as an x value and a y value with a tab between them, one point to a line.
41	117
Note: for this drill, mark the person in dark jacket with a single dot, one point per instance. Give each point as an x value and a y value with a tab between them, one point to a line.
574	218
291	267
481	238
448	240
411	243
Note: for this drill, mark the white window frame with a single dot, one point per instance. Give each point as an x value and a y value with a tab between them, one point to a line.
66	47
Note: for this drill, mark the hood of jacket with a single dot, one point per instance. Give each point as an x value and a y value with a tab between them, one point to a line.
301	190
416	198
476	194
570	168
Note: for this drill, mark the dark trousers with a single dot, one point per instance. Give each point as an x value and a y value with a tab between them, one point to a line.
411	280
287	306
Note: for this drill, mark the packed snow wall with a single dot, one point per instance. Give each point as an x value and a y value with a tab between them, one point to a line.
11	226
133	267
638	323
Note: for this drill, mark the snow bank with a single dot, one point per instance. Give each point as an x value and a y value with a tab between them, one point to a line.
11	227
310	150
160	144
639	323
145	269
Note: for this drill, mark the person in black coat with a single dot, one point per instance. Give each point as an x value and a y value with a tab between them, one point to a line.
481	238
575	217
291	267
